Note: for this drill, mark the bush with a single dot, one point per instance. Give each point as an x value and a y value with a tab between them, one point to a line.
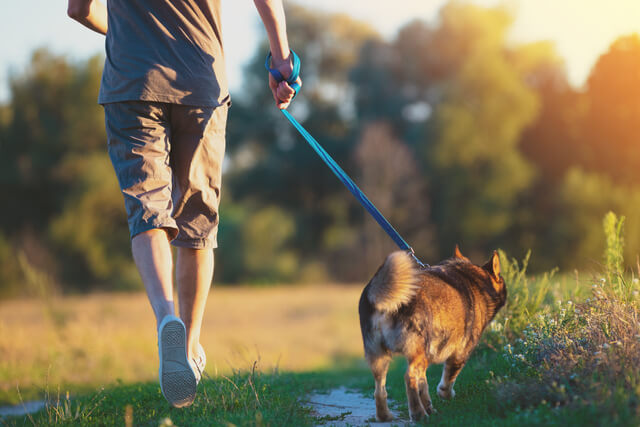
581	353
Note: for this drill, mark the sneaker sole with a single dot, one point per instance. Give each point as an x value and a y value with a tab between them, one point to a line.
177	380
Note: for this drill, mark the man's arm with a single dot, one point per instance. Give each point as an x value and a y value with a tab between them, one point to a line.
90	13
272	15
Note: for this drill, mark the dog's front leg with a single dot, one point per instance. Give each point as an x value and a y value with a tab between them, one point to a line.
414	379
451	370
379	365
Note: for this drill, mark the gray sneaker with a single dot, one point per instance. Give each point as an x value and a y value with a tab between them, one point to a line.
177	378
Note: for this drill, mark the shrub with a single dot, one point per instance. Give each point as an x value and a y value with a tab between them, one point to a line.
578	354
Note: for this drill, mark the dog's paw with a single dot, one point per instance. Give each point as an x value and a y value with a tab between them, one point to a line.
418	415
446	393
431	410
384	416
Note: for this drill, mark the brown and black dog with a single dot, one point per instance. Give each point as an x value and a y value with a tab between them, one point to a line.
430	315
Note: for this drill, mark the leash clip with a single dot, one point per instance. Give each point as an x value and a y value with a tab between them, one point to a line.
415	258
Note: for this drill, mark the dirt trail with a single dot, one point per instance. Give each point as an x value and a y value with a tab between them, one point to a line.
342	407
21	409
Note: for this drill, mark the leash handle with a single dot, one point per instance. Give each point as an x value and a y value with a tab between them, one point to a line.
291	80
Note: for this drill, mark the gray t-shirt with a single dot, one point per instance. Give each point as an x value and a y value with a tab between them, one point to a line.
164	51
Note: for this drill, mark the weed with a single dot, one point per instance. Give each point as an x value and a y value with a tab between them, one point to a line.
613	254
66	410
525	298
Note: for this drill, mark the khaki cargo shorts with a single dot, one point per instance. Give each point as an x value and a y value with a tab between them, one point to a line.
168	160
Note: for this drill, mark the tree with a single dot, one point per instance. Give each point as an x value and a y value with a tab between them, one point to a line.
389	175
55	171
610	127
457	95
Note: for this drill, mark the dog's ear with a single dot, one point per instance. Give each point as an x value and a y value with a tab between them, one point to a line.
493	266
458	254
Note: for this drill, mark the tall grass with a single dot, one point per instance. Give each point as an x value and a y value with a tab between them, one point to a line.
583	353
526	296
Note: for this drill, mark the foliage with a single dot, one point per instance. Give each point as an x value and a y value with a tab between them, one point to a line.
10	274
613	94
525	298
54	169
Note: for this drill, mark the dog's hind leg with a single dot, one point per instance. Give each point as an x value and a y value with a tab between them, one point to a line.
415	380
451	370
379	364
425	398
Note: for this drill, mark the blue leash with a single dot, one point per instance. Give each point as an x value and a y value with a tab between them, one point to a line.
337	170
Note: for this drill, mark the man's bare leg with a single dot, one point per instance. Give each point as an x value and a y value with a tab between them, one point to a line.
152	255
194	273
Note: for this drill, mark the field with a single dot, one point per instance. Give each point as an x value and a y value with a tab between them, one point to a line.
89	341
564	351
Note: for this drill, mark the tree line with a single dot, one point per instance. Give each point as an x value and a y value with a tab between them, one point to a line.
456	135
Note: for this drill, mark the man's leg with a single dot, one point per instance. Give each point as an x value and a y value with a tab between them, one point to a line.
152	255
194	272
139	146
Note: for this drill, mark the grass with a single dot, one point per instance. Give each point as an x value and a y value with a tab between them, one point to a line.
564	351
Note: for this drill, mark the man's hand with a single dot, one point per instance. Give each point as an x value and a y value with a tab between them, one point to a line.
90	13
282	92
272	15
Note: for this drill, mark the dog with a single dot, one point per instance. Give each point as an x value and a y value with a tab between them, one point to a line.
430	315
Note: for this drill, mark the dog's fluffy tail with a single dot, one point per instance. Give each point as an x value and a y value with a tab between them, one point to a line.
395	283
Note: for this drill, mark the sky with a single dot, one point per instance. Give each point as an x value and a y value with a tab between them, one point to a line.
581	29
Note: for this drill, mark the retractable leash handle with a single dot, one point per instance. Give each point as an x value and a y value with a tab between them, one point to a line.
337	170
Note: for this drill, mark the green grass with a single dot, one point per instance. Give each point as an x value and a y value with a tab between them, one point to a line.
278	399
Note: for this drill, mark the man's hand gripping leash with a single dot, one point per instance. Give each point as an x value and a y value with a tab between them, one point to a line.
284	89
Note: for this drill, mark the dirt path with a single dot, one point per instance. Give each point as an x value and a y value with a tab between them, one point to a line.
21	409
342	407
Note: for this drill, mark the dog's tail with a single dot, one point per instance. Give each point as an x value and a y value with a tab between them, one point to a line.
395	283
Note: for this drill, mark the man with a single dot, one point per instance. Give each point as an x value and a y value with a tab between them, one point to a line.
165	97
